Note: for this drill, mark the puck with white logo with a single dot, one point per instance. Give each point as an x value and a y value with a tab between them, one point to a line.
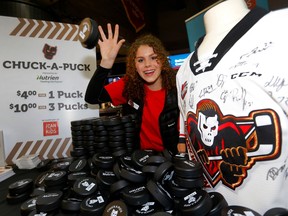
78	165
164	172
94	204
140	157
48	202
85	186
103	160
148	208
188	169
28	206
105	178
133	175
116	207
197	203
55	178
21	186
162	196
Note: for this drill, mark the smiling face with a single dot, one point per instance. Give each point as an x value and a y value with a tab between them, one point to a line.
149	67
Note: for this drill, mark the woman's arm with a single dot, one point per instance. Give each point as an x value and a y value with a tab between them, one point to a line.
109	48
95	92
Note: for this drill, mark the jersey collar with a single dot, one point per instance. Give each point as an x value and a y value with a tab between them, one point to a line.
229	40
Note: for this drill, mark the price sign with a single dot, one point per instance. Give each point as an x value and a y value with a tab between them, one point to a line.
44	72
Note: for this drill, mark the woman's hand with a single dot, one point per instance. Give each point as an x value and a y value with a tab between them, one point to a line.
109	45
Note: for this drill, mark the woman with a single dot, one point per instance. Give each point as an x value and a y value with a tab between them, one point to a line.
149	87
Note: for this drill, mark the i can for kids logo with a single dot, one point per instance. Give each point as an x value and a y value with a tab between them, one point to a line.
50	128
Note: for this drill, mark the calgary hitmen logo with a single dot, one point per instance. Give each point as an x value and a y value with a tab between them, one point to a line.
228	146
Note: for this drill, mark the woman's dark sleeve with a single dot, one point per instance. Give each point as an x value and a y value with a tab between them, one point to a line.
95	92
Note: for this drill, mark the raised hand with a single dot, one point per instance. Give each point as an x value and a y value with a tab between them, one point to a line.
109	45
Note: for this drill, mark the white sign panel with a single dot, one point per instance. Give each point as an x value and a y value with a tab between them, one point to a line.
44	72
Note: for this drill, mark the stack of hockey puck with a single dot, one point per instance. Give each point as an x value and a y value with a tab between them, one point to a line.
116	135
82	138
104	134
188	174
121	134
131	127
101	136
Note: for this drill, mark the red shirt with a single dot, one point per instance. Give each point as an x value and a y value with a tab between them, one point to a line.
150	137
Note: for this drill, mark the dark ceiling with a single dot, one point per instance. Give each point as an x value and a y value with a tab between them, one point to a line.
163	18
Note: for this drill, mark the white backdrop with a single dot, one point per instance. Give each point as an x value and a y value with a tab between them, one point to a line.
44	72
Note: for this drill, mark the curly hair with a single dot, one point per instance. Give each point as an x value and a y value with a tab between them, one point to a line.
134	84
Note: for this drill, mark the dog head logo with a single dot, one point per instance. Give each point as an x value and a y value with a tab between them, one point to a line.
49	51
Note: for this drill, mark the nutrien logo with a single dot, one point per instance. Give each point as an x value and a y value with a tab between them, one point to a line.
49	51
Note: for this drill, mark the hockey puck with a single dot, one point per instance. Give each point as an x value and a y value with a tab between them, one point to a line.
188	169
85	186
276	212
219	202
162	196
28	206
94	204
48	202
116	207
197	202
21	186
238	210
135	195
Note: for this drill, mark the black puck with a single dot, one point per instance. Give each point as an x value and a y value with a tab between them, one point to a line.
238	210
48	202
85	186
116	207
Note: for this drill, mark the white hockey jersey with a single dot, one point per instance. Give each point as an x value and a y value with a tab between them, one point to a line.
234	109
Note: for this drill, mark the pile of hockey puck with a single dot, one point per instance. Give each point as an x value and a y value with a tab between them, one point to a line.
120	181
137	183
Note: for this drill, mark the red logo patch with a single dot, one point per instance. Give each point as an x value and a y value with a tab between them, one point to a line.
50	128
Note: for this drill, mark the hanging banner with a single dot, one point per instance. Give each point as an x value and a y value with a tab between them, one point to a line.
44	72
135	12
